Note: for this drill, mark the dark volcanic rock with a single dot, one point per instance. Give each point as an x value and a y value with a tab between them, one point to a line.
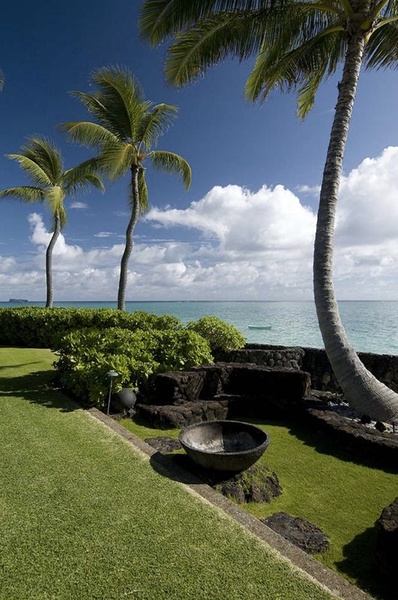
387	540
256	484
364	442
259	390
176	387
177	417
163	444
300	532
203	383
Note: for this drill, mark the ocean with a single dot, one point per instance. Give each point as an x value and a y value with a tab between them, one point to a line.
372	326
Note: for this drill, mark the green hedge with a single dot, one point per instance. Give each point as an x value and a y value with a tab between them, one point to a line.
36	327
220	335
91	342
85	356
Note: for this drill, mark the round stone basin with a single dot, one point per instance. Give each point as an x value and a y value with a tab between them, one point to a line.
224	445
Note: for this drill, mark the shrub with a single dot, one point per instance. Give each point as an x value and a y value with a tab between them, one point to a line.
36	327
220	335
91	342
86	356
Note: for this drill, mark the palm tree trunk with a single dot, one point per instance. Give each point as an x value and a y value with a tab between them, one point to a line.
49	260
135	211
361	389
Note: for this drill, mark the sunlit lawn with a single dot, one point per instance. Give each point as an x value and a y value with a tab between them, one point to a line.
83	515
322	484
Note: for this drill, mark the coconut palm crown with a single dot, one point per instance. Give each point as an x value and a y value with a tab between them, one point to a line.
42	162
125	130
296	45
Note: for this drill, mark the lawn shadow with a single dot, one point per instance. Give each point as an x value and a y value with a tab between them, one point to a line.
359	562
325	442
178	467
8	367
37	388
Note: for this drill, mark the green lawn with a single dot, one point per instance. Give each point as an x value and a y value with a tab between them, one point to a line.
84	516
321	483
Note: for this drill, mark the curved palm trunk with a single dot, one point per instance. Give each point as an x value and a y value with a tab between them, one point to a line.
135	211
49	261
361	389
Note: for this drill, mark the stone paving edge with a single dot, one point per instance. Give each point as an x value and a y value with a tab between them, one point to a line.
321	574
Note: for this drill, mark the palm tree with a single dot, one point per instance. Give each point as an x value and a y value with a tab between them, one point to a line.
42	162
126	128
296	45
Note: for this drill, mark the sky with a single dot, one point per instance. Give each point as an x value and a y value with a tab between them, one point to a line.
245	229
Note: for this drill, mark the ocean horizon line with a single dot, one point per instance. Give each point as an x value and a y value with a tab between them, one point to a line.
27	301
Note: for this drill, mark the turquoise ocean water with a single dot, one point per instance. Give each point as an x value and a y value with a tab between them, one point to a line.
371	326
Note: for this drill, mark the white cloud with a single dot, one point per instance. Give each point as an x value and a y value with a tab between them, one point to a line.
103	234
312	190
7	264
242	244
245	221
78	205
368	202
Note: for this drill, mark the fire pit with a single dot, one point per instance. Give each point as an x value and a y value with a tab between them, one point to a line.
224	445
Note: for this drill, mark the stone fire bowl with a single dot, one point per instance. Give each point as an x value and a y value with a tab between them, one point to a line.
224	445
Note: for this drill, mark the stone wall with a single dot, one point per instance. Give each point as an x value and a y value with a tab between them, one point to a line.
222	391
315	362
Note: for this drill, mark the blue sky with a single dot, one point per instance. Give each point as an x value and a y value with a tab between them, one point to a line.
245	228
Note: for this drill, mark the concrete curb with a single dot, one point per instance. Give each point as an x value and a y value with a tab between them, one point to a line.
324	576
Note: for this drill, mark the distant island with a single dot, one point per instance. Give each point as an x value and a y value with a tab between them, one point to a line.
19	300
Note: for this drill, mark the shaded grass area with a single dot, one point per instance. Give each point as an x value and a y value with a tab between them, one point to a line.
327	485
83	514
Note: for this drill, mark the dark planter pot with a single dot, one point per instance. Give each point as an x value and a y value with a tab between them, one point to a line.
124	399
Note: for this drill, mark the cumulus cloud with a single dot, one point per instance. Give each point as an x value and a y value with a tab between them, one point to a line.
312	190
368	210
238	244
7	264
245	221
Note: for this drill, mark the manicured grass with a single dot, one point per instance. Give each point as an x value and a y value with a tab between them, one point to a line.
84	515
323	484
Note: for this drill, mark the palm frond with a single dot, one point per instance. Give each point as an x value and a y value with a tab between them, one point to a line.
211	41
382	48
24	193
302	66
307	92
81	178
95	107
170	162
1	79
155	124
46	155
55	200
123	98
116	158
161	19
89	134
32	169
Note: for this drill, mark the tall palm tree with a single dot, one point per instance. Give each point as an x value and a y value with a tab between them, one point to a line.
126	128
41	160
296	45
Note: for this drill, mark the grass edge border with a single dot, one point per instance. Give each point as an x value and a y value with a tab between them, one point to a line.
310	567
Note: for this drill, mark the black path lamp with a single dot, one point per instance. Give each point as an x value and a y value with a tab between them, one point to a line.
111	376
